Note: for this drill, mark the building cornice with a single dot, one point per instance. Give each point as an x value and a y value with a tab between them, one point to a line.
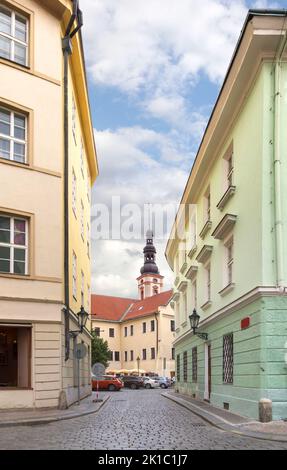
246	299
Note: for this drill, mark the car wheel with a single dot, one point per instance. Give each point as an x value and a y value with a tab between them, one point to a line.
111	388
162	386
133	386
148	386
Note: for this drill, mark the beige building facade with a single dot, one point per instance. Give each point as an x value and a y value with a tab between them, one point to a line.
37	366
140	333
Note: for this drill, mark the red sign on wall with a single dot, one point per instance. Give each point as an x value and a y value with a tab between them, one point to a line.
245	323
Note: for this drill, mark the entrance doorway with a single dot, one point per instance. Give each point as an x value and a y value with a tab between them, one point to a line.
15	357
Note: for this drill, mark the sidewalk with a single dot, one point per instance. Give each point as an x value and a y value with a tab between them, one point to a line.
227	421
36	416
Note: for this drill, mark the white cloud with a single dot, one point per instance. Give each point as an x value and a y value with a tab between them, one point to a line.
156	45
141	166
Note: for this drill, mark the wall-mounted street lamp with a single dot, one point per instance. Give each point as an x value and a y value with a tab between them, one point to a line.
194	321
82	320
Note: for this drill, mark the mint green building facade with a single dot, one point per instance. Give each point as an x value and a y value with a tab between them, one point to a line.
231	263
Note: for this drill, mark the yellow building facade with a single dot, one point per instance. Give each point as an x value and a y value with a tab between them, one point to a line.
139	332
37	364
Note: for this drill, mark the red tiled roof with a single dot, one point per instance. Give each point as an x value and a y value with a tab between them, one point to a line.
109	308
149	305
105	307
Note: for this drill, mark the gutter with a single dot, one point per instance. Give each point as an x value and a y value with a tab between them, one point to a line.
67	51
278	164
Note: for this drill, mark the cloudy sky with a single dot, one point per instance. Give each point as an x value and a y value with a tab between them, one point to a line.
155	68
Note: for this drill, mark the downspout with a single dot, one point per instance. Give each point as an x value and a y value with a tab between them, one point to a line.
277	166
67	51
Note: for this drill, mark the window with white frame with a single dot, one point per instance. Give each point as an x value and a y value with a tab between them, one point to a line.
13	36
88	240
13	135
194	294
208	282
74	275
82	220
228	167
74	192
82	288
229	260
207	215
193	231
13	245
184	306
89	298
74	117
82	158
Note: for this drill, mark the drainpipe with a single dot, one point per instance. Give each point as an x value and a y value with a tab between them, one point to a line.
67	51
277	166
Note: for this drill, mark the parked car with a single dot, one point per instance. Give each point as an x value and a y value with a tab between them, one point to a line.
106	382
133	382
150	382
164	382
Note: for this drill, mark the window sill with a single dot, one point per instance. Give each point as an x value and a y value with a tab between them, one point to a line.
206	305
13	163
206	228
15	64
227	289
15	276
226	196
192	251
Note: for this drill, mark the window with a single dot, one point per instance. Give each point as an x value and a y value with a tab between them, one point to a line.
228	358
152	325
110	355
74	111
142	294
13	245
74	275
184	306
126	356
88	240
132	355
117	356
82	158
13	135
208	283
207	206
194	294
178	367
82	288
172	325
229	261
194	364
13	36
172	354
185	366
89	298
144	354
230	169
111	332
82	221
132	330
152	353
155	290
144	327
126	331
97	332
74	192
193	231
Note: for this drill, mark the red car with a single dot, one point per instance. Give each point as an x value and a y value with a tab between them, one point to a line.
106	382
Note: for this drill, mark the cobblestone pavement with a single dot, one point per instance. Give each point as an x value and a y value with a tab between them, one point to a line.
139	419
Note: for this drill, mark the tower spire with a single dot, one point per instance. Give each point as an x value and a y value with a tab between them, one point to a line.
150	282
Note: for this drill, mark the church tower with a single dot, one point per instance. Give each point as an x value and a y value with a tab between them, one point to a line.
150	282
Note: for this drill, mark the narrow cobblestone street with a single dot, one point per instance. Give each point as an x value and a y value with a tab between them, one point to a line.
140	419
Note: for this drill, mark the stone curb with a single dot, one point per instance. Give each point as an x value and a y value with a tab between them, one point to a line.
223	424
51	419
